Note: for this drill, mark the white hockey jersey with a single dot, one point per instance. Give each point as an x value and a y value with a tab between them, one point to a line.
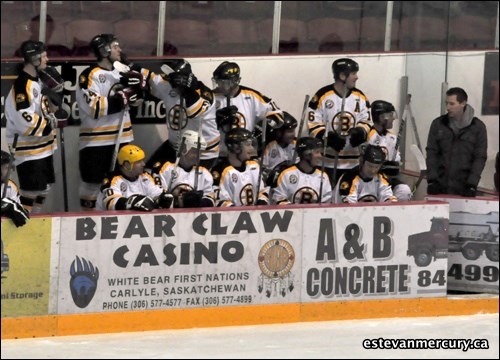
12	191
325	109
237	186
100	118
352	188
199	110
23	110
117	186
181	180
298	187
386	142
275	154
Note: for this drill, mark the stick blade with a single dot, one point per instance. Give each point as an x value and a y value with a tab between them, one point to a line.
419	156
121	67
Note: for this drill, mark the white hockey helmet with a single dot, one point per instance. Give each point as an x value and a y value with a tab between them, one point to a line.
190	139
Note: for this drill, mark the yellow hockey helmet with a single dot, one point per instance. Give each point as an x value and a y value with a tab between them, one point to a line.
130	153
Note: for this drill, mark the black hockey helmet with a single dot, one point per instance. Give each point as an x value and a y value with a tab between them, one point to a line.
344	66
101	45
235	137
31	51
180	66
5	157
374	154
227	71
380	107
289	122
305	145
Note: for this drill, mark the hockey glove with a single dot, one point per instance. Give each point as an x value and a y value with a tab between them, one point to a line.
469	191
357	136
15	211
165	200
139	202
191	199
183	82
261	202
132	79
51	79
390	168
127	96
275	119
272	178
226	117
335	141
433	188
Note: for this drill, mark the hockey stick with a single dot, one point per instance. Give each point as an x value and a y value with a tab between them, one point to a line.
121	67
63	166
173	174
198	158
261	167
301	126
402	123
11	163
413	123
421	164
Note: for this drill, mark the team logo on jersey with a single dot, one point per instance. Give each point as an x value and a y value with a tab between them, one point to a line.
102	78
123	187
342	124
234	178
174	117
329	104
305	195
293	179
276	259
20	98
247	195
274	153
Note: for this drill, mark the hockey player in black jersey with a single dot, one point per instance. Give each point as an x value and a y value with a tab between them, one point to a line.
236	179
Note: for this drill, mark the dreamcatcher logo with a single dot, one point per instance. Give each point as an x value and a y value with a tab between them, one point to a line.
276	259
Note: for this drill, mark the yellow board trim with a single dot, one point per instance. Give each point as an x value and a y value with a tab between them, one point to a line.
81	324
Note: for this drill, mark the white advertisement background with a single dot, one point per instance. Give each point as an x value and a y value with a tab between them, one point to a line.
143	295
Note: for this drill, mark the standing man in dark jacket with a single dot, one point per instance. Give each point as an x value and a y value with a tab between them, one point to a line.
456	148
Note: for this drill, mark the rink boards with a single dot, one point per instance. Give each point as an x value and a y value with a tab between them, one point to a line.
113	272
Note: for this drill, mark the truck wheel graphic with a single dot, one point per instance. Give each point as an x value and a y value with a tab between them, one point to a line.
423	257
492	253
471	252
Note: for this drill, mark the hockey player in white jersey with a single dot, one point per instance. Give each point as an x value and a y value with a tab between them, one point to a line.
103	96
241	106
179	179
367	184
303	183
347	129
131	188
11	203
383	116
197	109
236	179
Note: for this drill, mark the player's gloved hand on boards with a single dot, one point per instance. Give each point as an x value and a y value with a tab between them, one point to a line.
191	199
335	141
433	188
139	202
14	211
226	117
469	191
357	136
165	200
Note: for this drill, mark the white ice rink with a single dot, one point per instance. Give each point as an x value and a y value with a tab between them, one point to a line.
332	339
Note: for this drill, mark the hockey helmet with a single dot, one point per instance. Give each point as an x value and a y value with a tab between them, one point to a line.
31	52
101	45
190	139
380	107
130	153
289	122
235	137
344	66
180	66
374	154
227	71
305	145
5	157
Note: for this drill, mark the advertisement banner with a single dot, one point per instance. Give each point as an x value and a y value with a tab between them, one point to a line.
179	260
374	252
26	267
473	244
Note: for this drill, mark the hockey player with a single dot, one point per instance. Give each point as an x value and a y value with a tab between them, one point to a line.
347	129
282	148
129	187
236	180
366	184
104	96
29	118
302	183
179	179
197	109
241	106
383	116
11	203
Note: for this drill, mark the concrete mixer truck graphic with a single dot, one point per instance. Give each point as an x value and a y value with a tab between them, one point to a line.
470	234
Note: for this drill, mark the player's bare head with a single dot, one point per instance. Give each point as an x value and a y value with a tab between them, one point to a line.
344	66
309	149
226	77
131	159
32	52
102	44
